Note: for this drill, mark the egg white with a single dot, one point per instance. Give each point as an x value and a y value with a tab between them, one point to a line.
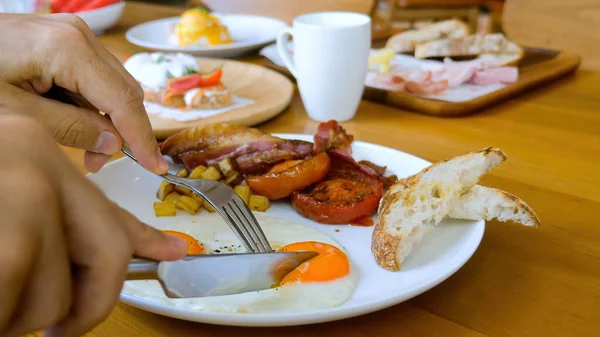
217	238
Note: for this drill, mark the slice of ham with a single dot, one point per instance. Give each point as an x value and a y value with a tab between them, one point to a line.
458	73
451	74
503	75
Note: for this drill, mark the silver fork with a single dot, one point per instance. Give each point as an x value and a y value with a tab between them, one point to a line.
227	203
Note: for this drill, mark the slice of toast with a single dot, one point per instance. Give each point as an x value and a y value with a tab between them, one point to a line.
415	205
406	41
472	45
484	203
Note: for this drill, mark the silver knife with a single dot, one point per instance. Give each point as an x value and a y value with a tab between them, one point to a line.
218	274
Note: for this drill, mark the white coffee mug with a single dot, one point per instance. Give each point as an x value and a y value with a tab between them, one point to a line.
330	60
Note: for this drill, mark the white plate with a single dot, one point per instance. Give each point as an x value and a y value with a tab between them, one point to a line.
438	256
248	32
103	18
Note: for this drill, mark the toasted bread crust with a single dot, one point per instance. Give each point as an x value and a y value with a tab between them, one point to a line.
403	183
385	245
521	204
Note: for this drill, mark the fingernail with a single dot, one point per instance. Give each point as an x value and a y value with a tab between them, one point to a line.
179	242
162	162
107	143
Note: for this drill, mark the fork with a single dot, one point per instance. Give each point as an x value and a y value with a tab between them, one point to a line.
227	203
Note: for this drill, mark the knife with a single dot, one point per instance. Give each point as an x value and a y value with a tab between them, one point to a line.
218	274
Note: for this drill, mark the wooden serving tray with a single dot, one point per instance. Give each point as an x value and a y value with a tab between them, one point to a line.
538	66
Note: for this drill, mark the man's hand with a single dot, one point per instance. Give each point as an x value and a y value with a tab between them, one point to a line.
42	51
65	247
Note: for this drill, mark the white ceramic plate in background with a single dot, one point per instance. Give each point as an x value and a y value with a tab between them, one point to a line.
101	19
248	33
439	255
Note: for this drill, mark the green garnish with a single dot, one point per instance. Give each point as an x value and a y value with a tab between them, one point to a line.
160	59
190	71
169	75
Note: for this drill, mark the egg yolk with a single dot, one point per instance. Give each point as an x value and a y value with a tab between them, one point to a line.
330	264
194	247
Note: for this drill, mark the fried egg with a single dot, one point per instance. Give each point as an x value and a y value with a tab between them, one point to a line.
326	281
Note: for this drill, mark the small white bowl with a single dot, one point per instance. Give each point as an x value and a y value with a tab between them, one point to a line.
101	19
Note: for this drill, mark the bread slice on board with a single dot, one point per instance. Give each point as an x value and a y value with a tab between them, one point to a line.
406	41
473	45
415	205
485	203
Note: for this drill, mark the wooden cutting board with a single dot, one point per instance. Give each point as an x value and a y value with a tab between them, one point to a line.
270	91
538	67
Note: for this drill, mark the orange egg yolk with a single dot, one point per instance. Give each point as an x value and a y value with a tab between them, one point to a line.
330	264
194	247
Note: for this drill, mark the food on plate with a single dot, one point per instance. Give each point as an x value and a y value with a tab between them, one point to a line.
290	176
175	197
175	80
325	281
486	45
327	266
197	27
346	195
322	179
76	6
194	247
415	205
252	151
164	208
188	204
244	192
485	203
258	203
406	41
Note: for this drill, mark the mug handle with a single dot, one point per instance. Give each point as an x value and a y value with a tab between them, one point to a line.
282	42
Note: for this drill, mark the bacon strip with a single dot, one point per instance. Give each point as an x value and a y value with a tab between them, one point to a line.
331	137
254	151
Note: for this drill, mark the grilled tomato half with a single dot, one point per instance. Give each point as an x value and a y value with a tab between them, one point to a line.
290	176
347	195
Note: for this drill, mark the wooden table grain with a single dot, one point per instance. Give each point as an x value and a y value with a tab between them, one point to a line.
520	282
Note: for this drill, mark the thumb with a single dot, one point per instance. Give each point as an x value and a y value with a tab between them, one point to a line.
151	243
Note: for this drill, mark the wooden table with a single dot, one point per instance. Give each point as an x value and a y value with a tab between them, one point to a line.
520	282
